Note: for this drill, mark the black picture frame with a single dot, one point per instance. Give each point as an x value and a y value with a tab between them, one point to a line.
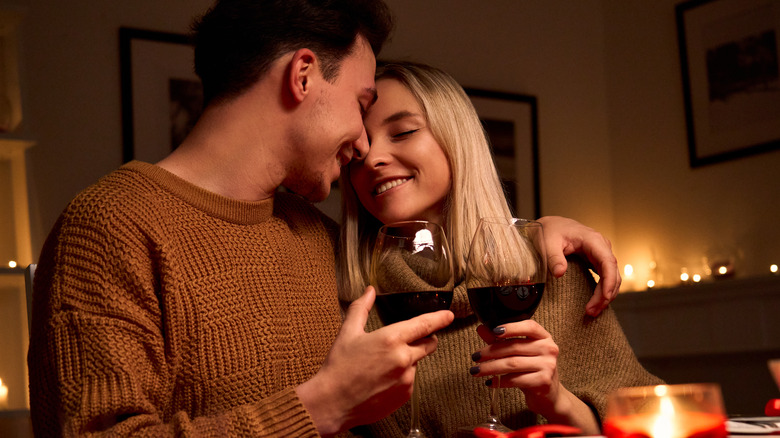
157	82
732	107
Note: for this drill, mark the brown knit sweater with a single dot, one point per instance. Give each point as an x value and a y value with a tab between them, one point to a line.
595	358
162	309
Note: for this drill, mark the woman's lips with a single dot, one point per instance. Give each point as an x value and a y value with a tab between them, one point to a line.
389	185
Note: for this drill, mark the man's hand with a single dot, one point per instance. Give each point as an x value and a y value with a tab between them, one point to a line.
367	376
566	236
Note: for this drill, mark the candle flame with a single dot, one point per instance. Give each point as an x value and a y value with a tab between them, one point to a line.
663	425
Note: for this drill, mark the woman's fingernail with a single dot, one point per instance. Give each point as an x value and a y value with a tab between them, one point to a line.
489	382
475	357
474	370
499	331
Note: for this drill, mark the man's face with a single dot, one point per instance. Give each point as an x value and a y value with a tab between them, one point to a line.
333	133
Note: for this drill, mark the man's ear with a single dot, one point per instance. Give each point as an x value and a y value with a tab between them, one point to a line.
302	73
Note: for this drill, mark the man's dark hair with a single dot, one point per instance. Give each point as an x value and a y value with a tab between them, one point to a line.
236	41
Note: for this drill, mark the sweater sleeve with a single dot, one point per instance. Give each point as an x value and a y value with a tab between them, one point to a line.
100	359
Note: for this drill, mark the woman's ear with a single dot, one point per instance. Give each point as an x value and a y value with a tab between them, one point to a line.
301	74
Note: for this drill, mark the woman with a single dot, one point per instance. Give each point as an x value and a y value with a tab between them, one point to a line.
429	160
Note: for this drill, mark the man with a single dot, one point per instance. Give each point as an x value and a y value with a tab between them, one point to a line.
189	297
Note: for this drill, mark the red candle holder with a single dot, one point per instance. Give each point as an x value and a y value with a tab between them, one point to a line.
666	411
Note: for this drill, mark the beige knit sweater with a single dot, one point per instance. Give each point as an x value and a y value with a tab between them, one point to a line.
162	309
595	358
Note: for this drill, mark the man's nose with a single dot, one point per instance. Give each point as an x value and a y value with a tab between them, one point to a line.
360	147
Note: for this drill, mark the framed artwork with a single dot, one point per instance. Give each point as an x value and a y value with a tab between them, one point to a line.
161	95
511	122
729	61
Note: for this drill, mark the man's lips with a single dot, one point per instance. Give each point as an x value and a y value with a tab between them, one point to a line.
385	186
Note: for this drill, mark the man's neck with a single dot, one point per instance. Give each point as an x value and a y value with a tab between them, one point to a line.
231	151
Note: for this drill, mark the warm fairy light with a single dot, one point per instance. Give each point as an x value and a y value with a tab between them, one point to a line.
696	278
773	269
650	284
12	264
684	276
628	270
723	270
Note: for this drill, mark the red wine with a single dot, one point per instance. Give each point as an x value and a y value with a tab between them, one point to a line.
498	305
393	308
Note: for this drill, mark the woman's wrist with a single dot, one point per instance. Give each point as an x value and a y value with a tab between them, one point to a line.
566	409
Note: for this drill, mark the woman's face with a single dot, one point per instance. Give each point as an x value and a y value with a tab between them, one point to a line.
406	175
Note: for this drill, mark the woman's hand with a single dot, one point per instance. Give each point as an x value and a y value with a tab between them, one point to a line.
526	357
565	236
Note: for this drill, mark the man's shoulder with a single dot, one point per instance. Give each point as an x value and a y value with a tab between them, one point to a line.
120	191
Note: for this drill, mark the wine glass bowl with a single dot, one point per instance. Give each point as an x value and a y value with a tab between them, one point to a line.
411	270
506	270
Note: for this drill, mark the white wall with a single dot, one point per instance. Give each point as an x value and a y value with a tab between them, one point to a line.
612	132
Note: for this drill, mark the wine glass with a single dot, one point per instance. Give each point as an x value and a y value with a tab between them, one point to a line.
411	270
505	276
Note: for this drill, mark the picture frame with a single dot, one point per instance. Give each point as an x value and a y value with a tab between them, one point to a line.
161	95
729	64
511	123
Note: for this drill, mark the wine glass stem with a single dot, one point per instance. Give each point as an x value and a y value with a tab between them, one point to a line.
494	400
414	429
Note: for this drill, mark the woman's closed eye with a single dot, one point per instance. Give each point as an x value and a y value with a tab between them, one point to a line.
402	135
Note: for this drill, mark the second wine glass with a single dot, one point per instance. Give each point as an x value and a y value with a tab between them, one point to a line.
411	270
506	272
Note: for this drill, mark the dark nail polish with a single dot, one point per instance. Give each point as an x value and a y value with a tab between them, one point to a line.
499	331
488	382
476	356
474	370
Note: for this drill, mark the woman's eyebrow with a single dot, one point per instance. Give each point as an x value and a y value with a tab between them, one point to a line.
398	116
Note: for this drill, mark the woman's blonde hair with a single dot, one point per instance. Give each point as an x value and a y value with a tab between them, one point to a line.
476	189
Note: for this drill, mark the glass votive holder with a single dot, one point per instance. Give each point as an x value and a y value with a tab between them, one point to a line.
666	411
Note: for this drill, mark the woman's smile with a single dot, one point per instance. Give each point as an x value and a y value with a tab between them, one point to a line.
389	185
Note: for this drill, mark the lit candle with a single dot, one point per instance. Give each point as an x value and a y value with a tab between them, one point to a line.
667	423
3	395
665	415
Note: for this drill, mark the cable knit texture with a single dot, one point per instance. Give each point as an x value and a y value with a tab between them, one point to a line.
162	309
595	358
